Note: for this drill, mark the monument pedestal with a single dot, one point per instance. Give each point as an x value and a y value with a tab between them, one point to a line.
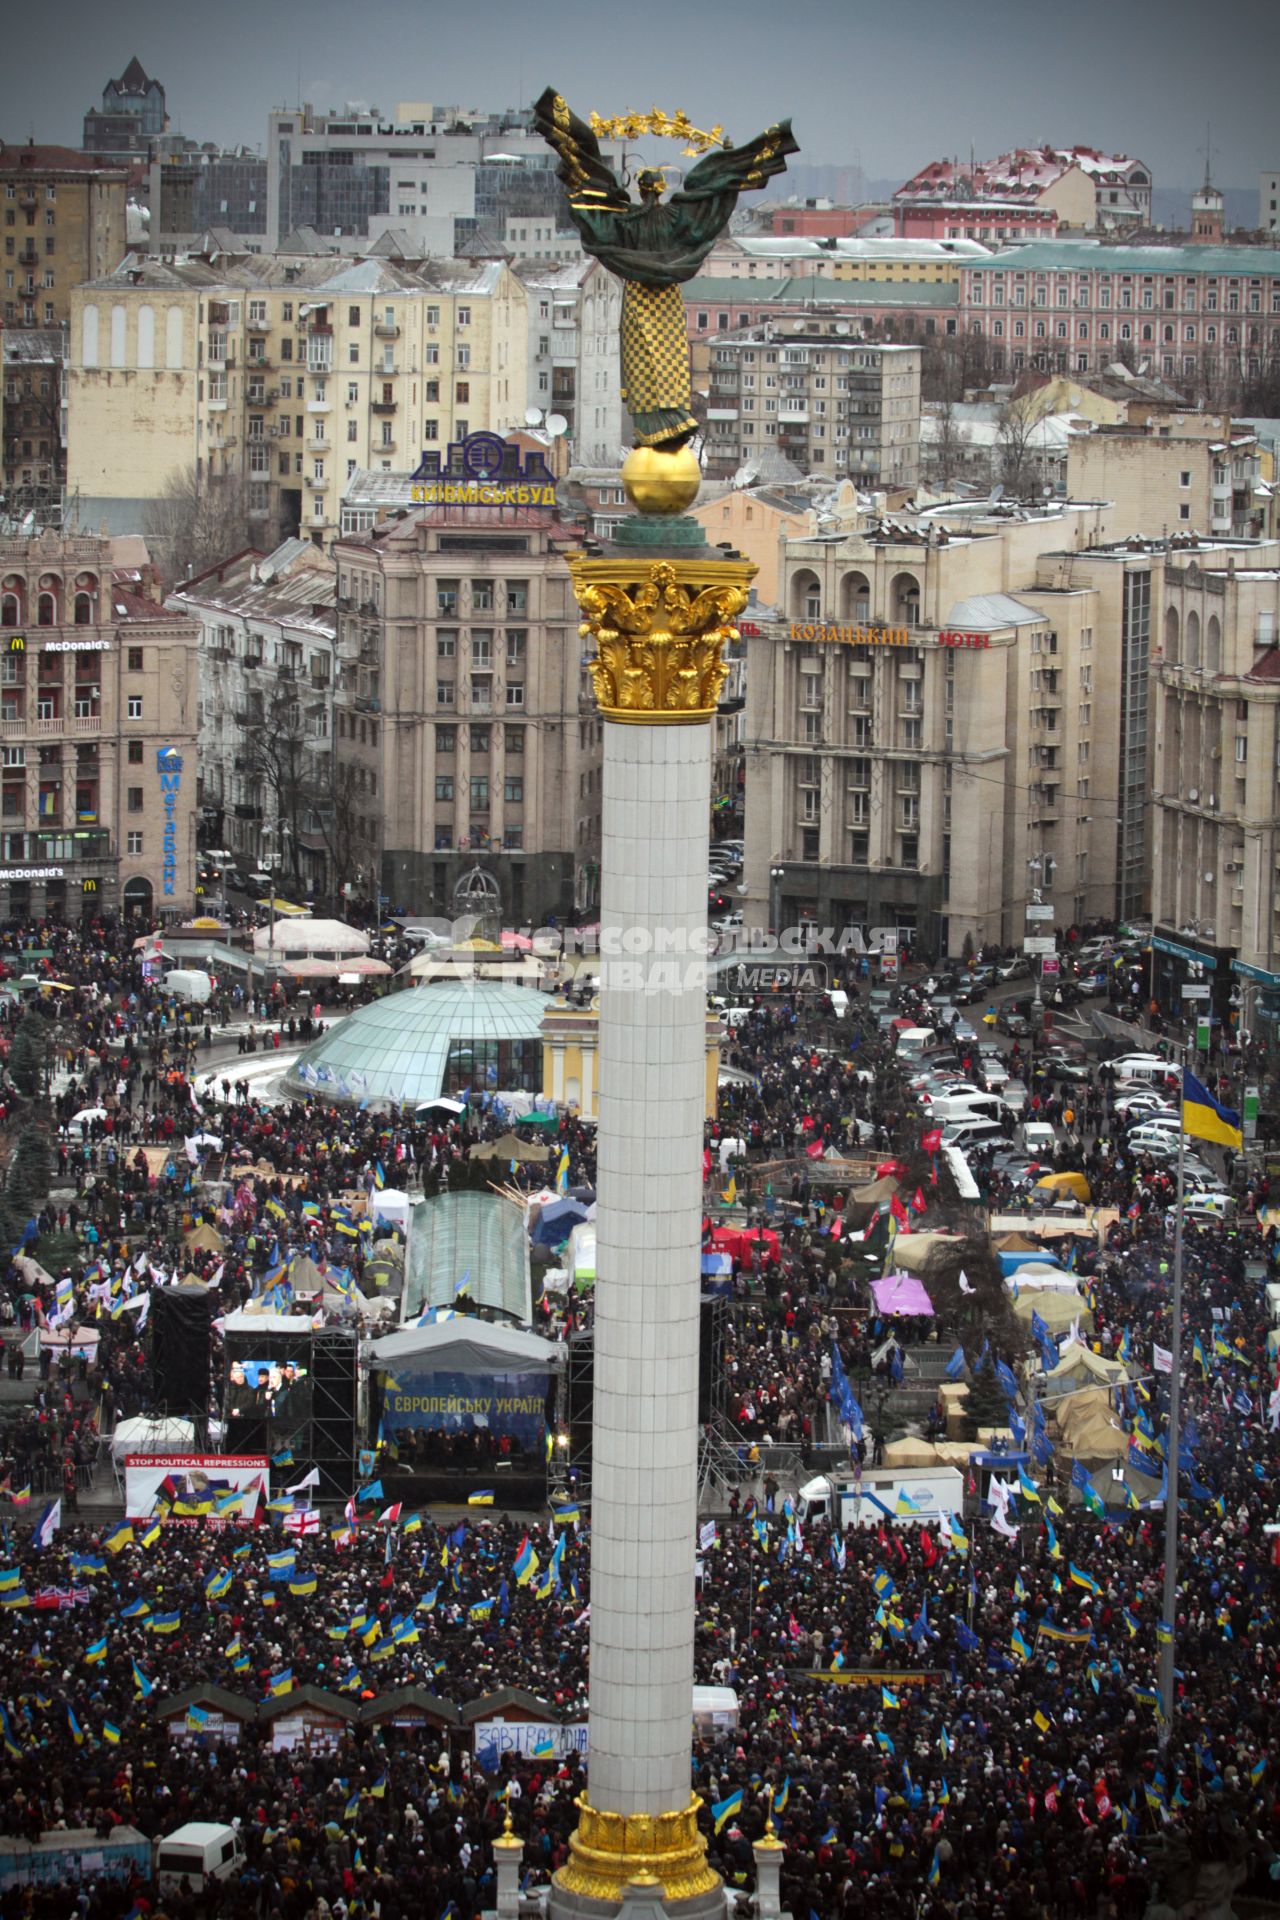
659	625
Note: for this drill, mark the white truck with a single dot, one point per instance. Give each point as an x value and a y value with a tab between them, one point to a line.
198	1854
907	1496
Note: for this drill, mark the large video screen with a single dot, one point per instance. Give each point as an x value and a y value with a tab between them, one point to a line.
465	1419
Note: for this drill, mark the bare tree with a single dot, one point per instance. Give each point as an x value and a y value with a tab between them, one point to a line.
195	522
352	855
946	453
1014	454
292	768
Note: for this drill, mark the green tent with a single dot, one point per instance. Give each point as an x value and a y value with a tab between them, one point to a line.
550	1121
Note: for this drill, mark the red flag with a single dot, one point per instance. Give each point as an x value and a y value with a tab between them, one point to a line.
898	1211
889	1169
919	1203
931	1141
1051	1800
927	1548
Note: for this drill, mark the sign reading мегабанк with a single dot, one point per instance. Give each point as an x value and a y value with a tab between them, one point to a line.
886	636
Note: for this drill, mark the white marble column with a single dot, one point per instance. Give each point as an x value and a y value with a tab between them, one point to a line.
648	1228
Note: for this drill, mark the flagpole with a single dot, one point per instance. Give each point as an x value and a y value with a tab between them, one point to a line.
1169	1651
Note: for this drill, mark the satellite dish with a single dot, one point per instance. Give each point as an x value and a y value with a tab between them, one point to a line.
1193	795
557	424
1208	879
533	416
997	493
842	326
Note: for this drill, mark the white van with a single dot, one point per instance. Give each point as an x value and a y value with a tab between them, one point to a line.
972	1133
1151	1068
839	1002
1039	1138
913	1041
199	1853
945	1107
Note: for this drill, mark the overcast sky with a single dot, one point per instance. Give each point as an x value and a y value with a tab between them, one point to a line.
878	83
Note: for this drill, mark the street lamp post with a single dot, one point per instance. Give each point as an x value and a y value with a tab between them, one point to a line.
776	877
1043	867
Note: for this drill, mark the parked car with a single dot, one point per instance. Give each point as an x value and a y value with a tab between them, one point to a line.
1015	969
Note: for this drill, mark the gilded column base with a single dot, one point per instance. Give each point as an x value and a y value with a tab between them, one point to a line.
610	1850
659	627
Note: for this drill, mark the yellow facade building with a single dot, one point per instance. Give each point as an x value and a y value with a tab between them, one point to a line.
570	1042
286	377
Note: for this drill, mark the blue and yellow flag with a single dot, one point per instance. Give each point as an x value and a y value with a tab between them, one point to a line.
111	1733
482	1499
724	1810
98	1651
1204	1119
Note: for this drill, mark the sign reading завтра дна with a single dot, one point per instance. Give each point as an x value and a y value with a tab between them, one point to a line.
887	636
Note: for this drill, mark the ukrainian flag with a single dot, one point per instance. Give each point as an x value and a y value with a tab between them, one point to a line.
545	1749
482	1499
723	1810
136	1610
111	1733
302	1589
565	1516
1081	1579
281	1683
1204	1119
123	1534
165	1622
10	1579
98	1651
888	1697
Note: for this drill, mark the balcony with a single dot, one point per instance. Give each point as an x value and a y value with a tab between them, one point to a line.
319	406
320	444
29	258
320	363
795	412
50	729
317	486
258	363
384	406
13	729
385	330
257	326
86	723
385	446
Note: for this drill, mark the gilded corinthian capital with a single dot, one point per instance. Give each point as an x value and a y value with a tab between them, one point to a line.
659	640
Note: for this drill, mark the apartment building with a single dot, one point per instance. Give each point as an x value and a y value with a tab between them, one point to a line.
575	310
1080	186
98	737
1216	779
828	402
286	375
270	695
1206	317
907	310
435	174
64	222
33	436
923	720
459	630
1173	473
889	260
1269	202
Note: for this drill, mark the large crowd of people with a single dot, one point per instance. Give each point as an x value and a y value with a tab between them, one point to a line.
959	1720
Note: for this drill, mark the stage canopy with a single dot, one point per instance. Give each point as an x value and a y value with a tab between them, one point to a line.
472	1238
467	1345
141	1435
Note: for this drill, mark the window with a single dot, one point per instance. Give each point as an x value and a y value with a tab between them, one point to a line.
479	793
444	693
462	394
446	643
135	706
446	739
515	741
135	753
479	739
133	842
444	786
464	316
515	694
135	799
513	791
464	357
135	660
446	596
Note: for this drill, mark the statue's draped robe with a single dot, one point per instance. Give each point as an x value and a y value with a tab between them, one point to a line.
653	248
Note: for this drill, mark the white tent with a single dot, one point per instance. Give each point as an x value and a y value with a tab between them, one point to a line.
141	1435
391	1205
467	1345
321	937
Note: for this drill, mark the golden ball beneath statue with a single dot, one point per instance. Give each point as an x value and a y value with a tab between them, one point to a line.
660	481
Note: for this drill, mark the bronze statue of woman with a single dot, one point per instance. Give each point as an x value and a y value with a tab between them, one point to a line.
652	248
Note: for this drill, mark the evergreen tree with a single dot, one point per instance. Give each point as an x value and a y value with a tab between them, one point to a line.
30	1172
27	1057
